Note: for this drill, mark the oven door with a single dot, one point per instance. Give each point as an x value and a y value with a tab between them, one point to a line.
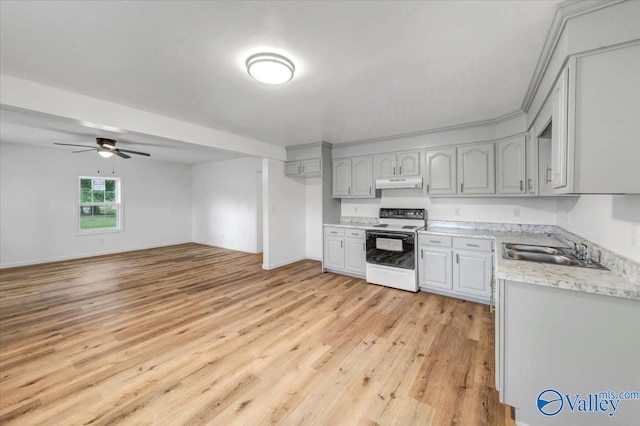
396	249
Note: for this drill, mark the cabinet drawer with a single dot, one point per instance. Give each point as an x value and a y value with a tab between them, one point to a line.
354	233
435	240
472	244
334	231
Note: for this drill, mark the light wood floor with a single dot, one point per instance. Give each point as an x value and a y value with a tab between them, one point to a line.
192	334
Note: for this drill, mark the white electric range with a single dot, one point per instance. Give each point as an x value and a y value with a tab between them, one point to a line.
392	250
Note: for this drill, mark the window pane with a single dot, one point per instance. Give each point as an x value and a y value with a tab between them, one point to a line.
98	184
85	196
110	185
109	196
85	184
98	196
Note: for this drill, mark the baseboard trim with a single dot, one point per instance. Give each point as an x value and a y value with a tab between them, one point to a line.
282	263
243	250
93	254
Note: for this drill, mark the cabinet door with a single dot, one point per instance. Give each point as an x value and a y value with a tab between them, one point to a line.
532	163
408	163
334	253
512	164
434	268
354	255
441	171
362	178
476	169
311	166
544	167
292	168
472	272
559	132
342	178
385	165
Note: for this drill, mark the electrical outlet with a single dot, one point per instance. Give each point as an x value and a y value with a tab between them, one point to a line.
355	210
100	240
516	212
457	211
273	209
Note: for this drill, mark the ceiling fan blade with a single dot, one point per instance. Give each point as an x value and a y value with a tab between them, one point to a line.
120	154
134	152
84	150
73	144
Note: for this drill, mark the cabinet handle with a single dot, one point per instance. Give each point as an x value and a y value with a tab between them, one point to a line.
298	169
435	241
349	191
547	175
462	187
472	245
457	258
427	188
530	184
421	254
394	170
302	169
400	171
341	243
369	190
521	186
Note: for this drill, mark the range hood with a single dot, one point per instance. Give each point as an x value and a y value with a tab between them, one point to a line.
399	183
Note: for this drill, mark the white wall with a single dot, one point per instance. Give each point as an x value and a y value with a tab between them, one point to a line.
38	202
313	215
284	234
612	221
225	204
540	211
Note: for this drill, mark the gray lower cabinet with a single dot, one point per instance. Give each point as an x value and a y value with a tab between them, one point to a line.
344	250
456	266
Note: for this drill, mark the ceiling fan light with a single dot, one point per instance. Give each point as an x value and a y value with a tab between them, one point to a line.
270	68
105	153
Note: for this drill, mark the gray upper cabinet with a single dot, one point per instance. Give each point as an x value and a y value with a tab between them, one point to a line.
292	168
342	177
353	177
312	166
400	164
476	169
441	172
559	132
532	163
408	163
304	168
362	177
512	164
385	165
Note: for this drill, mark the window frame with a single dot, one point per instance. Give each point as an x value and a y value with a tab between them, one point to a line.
118	203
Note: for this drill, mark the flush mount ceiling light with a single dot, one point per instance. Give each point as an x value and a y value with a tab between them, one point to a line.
270	68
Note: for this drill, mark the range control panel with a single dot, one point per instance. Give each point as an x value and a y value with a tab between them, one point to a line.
419	214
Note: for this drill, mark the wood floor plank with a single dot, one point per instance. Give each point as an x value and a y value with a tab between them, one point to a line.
193	334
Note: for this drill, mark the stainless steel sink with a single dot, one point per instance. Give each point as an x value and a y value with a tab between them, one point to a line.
534	249
545	254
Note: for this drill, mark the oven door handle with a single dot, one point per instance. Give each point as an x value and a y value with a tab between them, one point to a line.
396	236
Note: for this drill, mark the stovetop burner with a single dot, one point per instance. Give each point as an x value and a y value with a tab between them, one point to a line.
409	227
381	225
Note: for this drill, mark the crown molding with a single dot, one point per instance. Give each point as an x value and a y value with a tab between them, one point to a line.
493	121
564	11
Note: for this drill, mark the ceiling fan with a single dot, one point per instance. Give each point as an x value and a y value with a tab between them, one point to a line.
106	148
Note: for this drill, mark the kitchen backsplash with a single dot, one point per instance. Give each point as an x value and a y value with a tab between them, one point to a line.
495	227
359	219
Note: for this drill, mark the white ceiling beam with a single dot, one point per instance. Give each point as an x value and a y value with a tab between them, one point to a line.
28	95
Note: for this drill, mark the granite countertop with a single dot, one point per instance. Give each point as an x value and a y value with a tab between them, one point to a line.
354	225
565	277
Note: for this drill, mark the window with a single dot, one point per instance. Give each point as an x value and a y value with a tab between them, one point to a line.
100	205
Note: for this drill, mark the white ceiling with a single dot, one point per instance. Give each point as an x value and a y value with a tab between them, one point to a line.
365	69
